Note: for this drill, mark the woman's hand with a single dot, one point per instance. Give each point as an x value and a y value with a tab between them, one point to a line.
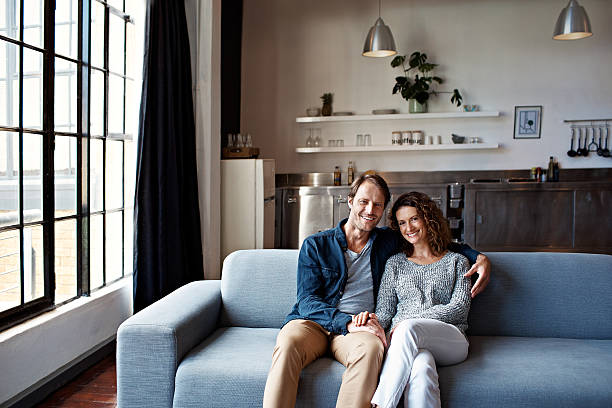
483	268
362	318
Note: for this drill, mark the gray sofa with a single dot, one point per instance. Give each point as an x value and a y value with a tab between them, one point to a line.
540	336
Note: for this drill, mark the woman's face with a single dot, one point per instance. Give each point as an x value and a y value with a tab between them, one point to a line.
411	225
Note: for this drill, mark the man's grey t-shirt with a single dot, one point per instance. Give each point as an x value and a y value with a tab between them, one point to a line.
358	293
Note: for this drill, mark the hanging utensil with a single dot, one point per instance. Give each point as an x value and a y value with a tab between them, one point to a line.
600	148
579	151
571	152
592	147
606	152
585	151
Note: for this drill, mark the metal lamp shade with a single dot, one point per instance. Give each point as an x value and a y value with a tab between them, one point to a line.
379	42
573	23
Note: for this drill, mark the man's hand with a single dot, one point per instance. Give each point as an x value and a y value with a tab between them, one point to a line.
483	268
371	326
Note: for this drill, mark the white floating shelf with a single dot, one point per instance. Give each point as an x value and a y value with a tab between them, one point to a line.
401	148
398	116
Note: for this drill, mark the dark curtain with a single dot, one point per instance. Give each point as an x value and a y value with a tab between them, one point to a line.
167	243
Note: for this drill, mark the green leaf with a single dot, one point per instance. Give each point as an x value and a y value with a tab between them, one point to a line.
426	67
401	80
438	80
398	60
421	97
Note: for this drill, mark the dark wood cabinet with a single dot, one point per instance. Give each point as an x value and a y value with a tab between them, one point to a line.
539	217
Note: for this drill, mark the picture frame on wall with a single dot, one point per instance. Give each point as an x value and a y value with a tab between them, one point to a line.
527	122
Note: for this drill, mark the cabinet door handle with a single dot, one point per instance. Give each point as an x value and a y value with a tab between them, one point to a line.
291	200
340	199
478	219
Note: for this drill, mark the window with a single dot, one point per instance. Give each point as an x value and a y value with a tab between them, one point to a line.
66	150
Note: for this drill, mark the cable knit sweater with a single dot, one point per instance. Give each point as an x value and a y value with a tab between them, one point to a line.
435	291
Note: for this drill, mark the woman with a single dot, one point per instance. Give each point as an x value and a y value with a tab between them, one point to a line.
423	303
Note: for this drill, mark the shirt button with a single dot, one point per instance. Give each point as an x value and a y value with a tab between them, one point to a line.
341	293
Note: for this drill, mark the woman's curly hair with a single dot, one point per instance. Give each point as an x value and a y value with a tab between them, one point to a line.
438	231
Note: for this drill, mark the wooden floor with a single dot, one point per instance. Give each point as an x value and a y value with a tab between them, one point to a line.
95	388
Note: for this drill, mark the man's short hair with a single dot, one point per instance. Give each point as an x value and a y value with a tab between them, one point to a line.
376	180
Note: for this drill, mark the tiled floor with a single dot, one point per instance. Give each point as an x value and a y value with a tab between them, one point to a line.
95	388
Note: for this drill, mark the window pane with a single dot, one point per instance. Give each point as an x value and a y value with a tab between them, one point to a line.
32	177
33	18
114	174
132	107
9	181
33	270
65	96
97	34
66	34
96	175
128	253
130	173
65	175
10	274
116	42
96	251
32	89
132	59
9	18
115	104
9	84
65	260
96	112
114	245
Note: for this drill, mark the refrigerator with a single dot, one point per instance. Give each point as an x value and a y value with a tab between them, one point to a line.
247	204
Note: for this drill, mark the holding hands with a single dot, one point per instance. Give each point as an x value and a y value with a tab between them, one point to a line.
367	322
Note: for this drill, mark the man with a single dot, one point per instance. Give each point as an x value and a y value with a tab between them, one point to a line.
339	272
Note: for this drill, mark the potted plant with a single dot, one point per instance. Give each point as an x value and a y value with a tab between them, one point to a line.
327	99
416	90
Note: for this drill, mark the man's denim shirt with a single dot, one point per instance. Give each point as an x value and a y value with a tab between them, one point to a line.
322	273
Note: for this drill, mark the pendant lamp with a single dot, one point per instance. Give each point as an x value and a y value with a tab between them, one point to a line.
573	23
379	42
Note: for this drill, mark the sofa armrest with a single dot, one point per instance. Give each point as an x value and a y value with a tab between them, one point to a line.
151	344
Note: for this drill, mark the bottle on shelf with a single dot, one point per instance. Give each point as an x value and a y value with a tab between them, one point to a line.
337	176
551	169
350	173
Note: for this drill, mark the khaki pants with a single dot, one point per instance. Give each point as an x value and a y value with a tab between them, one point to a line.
301	342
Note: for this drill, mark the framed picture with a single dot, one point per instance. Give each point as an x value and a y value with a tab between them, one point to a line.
527	122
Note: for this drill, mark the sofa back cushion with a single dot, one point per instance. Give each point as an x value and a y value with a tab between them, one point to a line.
545	295
258	287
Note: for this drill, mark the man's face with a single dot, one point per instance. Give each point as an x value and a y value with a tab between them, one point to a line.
367	207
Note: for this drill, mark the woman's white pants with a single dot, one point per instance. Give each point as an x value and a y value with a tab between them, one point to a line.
410	365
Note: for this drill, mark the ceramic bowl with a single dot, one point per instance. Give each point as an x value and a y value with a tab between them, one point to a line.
312	112
457	139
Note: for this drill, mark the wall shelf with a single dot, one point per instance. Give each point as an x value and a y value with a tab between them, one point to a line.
398	116
401	148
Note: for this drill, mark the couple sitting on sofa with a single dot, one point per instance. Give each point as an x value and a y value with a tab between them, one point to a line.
419	289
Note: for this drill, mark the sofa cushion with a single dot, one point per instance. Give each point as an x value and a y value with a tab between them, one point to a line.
545	295
530	372
258	287
230	369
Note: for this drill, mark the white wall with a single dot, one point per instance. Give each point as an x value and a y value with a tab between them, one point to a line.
204	23
499	53
36	351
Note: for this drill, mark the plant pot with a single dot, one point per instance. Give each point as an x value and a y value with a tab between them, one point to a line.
415	107
326	110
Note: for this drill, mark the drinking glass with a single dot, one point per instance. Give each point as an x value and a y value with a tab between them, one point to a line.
230	140
309	140
367	139
359	140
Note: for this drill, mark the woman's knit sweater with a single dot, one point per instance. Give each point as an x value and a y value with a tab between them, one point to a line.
435	291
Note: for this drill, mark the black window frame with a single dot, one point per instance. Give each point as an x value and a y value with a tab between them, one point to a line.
82	215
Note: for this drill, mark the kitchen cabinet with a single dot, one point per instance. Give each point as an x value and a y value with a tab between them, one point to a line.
539	217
